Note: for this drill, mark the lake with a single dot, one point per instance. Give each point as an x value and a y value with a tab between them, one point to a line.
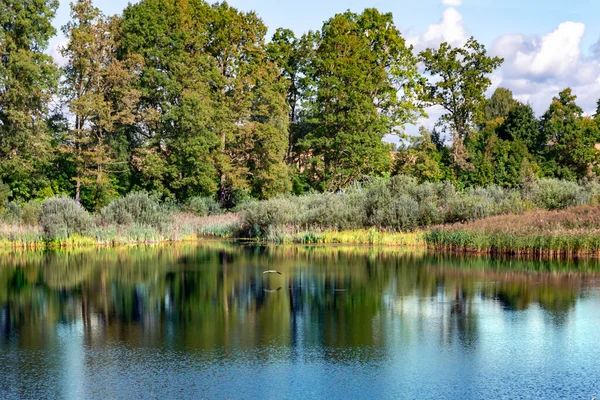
201	320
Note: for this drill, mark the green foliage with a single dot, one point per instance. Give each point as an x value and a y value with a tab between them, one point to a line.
186	100
202	206
522	125
422	159
5	194
553	194
571	137
363	80
399	204
499	105
138	208
462	78
61	217
31	212
28	81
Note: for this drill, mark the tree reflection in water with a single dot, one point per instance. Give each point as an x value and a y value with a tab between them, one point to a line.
214	296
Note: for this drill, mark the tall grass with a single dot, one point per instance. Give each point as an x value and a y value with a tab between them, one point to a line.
384	211
401	204
133	219
563	233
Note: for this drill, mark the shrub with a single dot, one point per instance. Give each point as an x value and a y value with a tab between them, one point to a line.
11	213
468	207
262	216
202	206
402	204
554	194
62	217
138	208
331	210
5	194
30	212
429	214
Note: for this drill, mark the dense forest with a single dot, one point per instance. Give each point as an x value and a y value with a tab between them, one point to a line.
182	98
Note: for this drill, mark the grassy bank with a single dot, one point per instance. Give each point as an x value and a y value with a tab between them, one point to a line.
360	236
543	218
574	232
134	219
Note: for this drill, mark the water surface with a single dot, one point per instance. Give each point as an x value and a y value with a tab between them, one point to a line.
203	321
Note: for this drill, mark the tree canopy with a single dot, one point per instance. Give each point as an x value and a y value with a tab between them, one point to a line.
186	98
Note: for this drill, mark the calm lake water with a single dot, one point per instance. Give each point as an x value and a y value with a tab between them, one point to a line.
203	321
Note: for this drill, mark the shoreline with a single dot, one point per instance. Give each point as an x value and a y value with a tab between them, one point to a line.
451	241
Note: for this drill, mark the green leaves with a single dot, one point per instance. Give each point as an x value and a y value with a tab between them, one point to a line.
363	82
28	80
460	78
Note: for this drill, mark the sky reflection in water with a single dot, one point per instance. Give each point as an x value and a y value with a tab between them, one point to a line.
202	320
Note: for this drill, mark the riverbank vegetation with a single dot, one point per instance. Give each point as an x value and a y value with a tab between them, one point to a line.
566	233
173	120
402	204
398	211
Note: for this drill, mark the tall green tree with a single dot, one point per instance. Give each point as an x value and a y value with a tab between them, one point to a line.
293	56
460	78
571	138
499	105
174	143
28	80
252	111
214	110
365	81
99	94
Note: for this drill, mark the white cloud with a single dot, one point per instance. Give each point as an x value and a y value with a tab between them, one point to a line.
54	50
450	29
554	55
455	3
537	68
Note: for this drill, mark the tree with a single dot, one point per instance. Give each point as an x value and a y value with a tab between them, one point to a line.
499	105
174	143
214	110
293	56
571	138
505	163
459	82
252	121
364	79
521	124
28	80
421	159
98	91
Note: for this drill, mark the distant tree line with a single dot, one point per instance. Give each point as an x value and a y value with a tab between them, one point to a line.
183	98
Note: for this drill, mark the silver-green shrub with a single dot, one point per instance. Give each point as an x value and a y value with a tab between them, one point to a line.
554	194
138	208
202	206
61	217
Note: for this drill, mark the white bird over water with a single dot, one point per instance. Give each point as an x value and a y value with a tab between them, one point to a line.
272	271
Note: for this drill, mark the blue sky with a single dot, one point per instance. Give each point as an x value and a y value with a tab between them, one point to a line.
547	45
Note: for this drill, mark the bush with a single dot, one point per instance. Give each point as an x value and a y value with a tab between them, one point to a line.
260	217
138	208
554	194
61	217
202	206
11	213
5	194
30	212
402	204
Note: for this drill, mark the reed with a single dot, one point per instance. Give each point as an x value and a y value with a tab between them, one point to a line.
574	232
